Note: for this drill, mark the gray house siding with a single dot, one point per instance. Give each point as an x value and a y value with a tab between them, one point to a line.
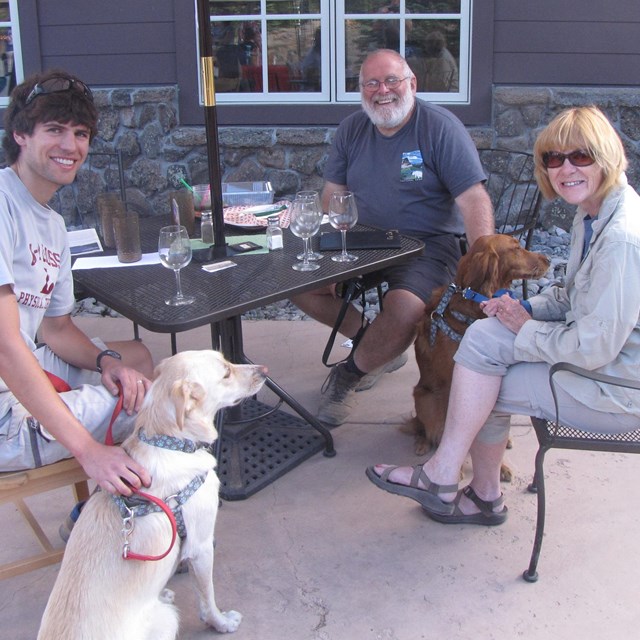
574	42
111	42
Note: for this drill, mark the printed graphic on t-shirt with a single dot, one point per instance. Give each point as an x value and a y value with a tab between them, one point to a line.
411	167
46	268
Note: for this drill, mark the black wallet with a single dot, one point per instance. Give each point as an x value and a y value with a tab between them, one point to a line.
377	239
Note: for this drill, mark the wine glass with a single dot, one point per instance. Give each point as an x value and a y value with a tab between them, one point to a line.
305	222
314	196
343	214
174	249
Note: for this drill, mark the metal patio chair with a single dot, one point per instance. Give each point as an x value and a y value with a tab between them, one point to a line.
514	194
554	434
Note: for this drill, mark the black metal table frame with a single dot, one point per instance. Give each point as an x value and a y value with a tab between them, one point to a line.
221	298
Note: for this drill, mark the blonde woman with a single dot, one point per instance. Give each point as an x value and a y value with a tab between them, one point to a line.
593	321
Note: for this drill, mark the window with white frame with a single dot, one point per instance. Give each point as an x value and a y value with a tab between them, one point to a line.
10	57
292	51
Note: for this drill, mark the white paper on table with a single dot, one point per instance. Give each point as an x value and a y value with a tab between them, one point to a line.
105	262
83	241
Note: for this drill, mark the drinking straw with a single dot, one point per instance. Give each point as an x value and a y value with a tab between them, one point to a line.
186	184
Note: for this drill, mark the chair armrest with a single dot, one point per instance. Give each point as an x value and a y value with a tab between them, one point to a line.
591	375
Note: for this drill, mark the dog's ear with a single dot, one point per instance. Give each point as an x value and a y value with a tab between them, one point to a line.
186	395
480	270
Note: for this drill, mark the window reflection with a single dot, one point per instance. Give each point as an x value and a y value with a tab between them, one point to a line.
432	51
234	7
431	47
292	55
275	46
411	6
293	6
7	66
433	6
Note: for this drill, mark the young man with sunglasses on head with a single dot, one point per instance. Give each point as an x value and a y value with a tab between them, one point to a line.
49	125
412	167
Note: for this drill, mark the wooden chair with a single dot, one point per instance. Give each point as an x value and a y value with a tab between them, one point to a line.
555	434
15	486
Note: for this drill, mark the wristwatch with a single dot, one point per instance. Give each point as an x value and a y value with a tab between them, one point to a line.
102	354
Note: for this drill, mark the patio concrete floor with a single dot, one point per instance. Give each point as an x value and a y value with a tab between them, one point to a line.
321	554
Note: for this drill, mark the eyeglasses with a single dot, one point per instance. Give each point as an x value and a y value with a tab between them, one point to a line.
391	83
555	159
58	84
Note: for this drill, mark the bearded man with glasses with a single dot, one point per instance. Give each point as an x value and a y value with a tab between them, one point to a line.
413	167
49	125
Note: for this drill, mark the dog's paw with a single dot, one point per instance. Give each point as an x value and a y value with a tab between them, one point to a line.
227	621
506	475
167	596
420	446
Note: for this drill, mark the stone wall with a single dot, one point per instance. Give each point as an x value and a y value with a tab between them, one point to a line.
144	125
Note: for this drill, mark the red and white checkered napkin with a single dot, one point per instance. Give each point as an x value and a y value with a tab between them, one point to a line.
238	216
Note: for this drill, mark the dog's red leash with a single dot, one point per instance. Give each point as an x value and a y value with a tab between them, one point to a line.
61	386
128	527
128	522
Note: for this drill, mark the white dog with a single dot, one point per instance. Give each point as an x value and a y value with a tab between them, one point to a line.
98	594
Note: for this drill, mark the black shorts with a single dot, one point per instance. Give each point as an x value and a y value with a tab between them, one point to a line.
422	274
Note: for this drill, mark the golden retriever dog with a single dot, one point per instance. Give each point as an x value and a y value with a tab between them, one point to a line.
490	265
100	595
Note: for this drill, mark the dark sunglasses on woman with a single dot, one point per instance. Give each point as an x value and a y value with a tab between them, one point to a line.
555	159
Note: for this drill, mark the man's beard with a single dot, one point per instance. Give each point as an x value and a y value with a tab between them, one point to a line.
392	115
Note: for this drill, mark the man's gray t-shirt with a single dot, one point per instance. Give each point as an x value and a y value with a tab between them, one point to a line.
34	256
407	181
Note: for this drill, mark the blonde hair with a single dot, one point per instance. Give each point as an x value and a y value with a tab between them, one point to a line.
584	128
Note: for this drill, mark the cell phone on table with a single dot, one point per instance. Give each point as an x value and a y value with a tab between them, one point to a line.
242	247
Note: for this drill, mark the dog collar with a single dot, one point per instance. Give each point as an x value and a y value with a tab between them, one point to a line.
470	294
172	443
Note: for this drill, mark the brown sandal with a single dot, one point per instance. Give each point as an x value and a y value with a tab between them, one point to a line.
427	497
487	516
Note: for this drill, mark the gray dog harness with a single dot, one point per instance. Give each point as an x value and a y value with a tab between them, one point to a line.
136	506
437	317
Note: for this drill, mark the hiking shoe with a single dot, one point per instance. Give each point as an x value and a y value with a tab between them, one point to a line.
367	381
338	393
67	526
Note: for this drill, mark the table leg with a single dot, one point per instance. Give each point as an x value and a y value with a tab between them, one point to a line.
231	345
258	443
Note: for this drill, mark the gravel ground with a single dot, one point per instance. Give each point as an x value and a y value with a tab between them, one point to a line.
554	243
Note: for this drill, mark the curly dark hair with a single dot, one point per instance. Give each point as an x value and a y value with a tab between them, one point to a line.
74	105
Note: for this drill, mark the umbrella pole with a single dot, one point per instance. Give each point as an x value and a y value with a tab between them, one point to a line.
211	124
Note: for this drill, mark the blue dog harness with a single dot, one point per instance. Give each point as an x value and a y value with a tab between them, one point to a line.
437	315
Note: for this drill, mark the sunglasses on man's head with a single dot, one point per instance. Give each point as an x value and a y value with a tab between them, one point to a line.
555	159
58	85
